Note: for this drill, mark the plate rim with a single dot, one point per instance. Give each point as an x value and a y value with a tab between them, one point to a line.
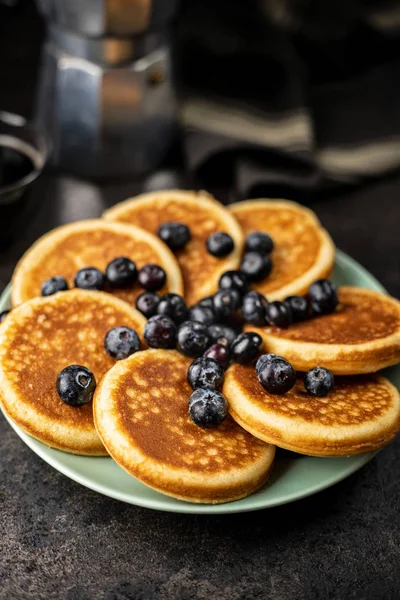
159	502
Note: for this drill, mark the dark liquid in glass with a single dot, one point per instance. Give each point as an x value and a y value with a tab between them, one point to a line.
14	166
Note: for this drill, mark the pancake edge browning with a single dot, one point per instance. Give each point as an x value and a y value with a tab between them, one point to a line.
60	436
310	438
341	359
231	226
324	261
178	482
53	241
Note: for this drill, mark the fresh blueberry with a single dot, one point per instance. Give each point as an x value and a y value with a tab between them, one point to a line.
264	358
160	332
220	353
175	235
298	306
89	278
256	266
205	373
147	303
193	338
259	242
121	272
152	277
234	280
277	376
226	303
53	285
220	244
246	347
174	306
323	297
76	385
202	314
319	381
253	308
278	314
207	408
221	334
121	342
3	315
207	302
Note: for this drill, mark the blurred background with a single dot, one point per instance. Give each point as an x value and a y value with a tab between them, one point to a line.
275	98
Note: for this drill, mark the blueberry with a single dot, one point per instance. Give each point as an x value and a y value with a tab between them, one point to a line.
259	242
264	358
205	373
152	277
121	272
207	302
220	244
256	266
253	309
319	381
89	278
174	306
277	376
220	353
160	332
121	342
323	297
76	385
193	338
202	314
234	280
175	235
278	314
147	303
207	408
246	347
3	315
221	334
226	303
298	306
53	285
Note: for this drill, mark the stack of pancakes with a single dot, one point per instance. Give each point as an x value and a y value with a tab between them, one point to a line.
139	414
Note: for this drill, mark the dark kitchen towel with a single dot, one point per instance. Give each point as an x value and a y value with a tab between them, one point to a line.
292	97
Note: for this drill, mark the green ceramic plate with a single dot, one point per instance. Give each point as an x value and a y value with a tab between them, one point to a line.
294	476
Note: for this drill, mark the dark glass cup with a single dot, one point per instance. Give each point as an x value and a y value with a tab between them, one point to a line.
23	155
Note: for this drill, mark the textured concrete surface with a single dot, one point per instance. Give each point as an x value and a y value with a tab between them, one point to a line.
61	541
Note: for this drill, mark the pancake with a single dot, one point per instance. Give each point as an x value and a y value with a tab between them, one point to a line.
360	414
303	250
91	243
37	341
203	215
141	414
361	336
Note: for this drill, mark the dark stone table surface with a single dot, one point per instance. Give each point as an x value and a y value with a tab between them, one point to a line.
60	541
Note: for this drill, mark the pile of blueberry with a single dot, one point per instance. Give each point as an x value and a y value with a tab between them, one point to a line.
120	273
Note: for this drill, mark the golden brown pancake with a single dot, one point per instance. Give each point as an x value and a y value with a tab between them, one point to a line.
91	243
303	250
360	414
361	336
37	341
203	215
141	414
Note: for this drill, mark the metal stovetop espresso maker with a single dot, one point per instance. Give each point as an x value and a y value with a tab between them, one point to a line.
106	97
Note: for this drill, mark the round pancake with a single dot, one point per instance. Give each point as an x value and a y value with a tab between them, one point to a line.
141	414
360	414
91	243
361	336
303	250
37	341
203	215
